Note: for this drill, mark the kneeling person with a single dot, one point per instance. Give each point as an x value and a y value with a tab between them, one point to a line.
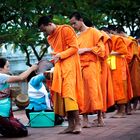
39	98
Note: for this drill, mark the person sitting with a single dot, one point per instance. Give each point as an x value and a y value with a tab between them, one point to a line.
40	98
9	125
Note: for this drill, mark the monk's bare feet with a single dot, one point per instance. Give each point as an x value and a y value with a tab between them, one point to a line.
133	111
98	122
86	124
138	108
104	115
129	112
66	131
77	129
119	115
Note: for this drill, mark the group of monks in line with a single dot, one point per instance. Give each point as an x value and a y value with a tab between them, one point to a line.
119	57
109	67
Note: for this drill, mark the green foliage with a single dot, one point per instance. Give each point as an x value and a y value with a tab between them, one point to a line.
18	19
122	12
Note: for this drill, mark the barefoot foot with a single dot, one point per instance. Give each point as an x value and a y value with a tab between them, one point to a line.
77	130
66	131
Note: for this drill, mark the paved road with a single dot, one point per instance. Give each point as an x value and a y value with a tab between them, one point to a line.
114	129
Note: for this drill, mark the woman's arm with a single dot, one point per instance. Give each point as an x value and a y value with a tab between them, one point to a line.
23	75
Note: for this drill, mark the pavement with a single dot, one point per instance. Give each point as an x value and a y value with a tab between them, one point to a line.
115	129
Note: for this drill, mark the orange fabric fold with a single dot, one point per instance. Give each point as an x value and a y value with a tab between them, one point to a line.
91	68
67	79
121	73
91	38
119	45
134	67
139	50
57	86
106	80
130	45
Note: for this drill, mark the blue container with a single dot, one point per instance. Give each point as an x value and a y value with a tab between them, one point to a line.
42	119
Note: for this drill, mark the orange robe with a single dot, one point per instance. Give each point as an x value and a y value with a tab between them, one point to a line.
139	50
106	80
134	67
67	78
130	47
91	69
121	80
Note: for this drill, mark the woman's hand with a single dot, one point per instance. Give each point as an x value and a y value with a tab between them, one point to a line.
34	67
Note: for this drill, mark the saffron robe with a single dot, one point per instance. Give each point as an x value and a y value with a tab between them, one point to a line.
121	79
106	80
134	67
67	78
130	47
139	50
91	69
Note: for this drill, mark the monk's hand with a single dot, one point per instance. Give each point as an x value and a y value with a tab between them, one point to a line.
83	50
56	57
114	53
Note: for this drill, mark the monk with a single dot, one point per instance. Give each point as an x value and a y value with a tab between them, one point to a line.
106	79
134	67
91	48
138	101
120	73
131	47
67	80
133	60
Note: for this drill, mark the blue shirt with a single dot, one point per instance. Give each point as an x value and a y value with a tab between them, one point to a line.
5	103
39	97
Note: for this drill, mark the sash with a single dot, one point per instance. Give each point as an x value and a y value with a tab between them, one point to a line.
111	60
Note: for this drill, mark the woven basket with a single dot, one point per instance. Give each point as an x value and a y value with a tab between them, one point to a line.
22	101
15	91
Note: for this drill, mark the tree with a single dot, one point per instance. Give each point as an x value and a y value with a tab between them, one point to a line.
18	19
125	13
